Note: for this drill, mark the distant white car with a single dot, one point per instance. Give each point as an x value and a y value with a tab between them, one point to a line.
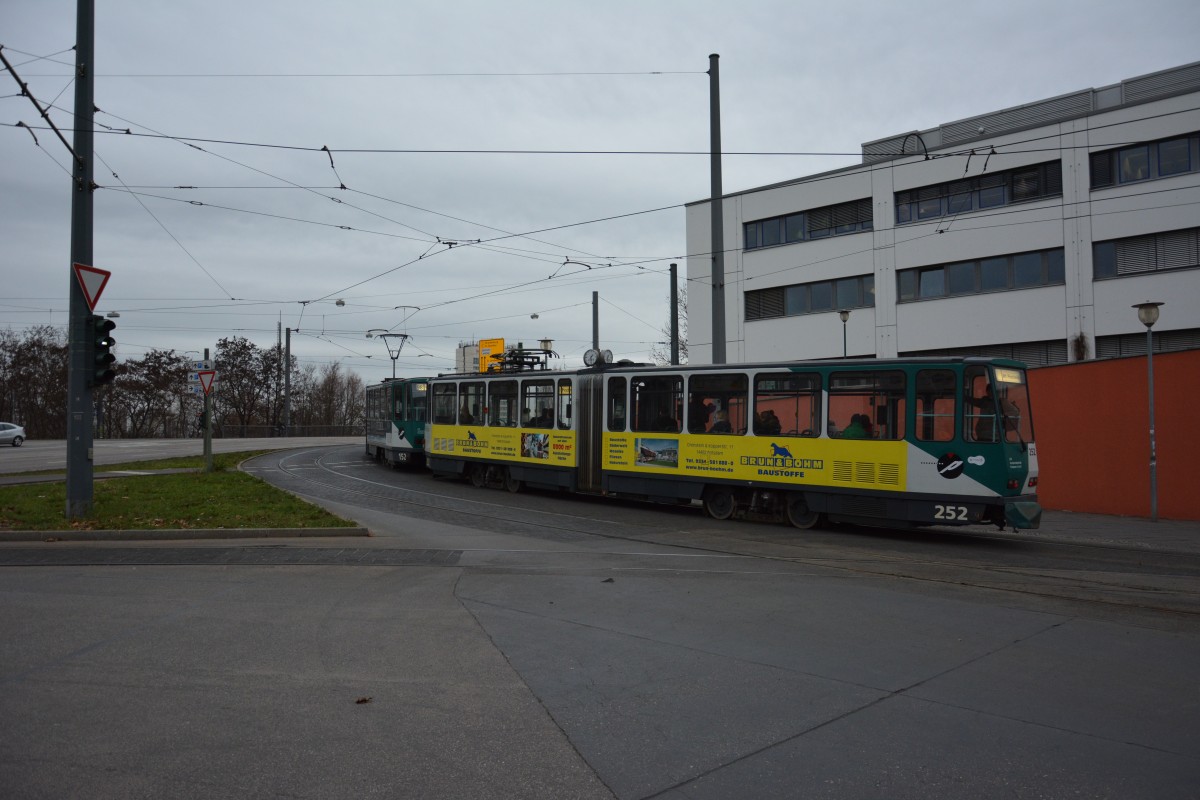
11	434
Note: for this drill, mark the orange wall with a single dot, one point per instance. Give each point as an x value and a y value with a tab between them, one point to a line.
1092	424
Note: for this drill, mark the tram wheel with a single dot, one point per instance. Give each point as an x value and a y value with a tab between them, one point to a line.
478	476
511	483
719	502
799	514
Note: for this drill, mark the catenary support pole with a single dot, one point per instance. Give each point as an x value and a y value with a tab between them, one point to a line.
208	421
595	320
674	313
287	382
80	410
718	225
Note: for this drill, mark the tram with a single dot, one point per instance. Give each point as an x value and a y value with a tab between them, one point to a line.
396	416
892	442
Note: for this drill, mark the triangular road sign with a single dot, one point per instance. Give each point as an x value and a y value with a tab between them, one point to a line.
91	280
207	376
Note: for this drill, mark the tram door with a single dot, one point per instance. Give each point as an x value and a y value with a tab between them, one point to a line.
589	420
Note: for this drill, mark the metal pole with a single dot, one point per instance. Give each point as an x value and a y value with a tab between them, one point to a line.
718	216
674	313
843	338
1153	455
595	320
79	393
208	422
287	383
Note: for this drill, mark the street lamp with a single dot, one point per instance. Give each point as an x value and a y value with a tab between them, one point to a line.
845	315
1148	315
394	342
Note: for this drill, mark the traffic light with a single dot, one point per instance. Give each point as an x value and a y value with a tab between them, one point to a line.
101	342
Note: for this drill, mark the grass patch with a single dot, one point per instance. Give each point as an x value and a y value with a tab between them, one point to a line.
226	499
221	462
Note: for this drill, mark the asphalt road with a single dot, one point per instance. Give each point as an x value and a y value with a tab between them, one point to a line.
537	645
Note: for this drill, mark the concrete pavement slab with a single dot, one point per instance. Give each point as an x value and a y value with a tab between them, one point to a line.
168	682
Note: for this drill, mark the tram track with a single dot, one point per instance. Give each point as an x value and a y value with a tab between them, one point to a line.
1102	575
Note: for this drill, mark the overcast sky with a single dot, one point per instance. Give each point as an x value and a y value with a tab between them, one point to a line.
236	99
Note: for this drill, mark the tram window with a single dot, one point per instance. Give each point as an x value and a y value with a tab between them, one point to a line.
657	402
444	403
502	404
937	400
979	405
537	404
398	400
787	404
418	401
564	404
617	404
872	399
1013	391
470	403
717	403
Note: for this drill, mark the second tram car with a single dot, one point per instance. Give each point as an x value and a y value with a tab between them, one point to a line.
396	416
945	441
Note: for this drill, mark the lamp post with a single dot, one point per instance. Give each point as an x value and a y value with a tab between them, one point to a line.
1148	315
394	342
845	315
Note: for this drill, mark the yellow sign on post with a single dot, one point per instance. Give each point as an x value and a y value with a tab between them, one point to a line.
491	351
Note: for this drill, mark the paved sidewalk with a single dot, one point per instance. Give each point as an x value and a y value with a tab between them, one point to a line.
1176	536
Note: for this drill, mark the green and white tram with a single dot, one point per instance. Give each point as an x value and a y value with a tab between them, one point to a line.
396	416
889	442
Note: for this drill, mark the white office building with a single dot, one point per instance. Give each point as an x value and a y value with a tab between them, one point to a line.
1027	232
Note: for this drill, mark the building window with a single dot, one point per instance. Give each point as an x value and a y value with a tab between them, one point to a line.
1152	253
1037	182
962	278
1134	163
811	298
818	223
996	274
1174	157
1145	161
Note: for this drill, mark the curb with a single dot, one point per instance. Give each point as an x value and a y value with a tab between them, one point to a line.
178	534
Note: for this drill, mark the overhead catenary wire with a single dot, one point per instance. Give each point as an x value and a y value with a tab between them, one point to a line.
938	222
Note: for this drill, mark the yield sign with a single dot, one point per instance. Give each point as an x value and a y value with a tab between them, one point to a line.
206	379
91	280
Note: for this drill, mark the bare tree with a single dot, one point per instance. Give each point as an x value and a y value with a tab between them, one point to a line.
147	391
33	381
661	351
239	364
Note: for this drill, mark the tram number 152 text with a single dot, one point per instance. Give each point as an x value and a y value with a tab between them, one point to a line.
956	513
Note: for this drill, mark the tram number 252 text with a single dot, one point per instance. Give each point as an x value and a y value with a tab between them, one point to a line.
956	513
